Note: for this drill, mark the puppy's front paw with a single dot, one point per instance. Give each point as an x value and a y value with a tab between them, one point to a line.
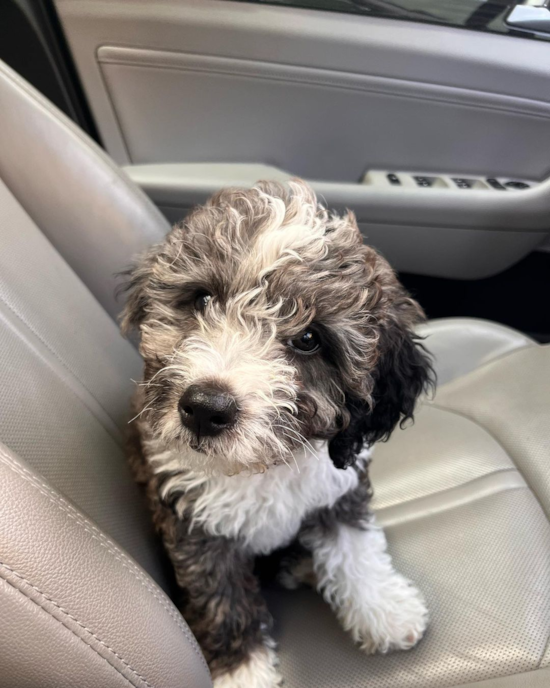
394	618
258	671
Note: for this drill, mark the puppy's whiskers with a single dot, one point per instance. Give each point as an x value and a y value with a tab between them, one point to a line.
281	453
298	437
146	408
146	384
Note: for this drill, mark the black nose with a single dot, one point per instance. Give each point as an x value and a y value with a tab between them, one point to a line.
207	411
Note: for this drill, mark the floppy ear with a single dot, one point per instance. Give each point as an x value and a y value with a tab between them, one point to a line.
346	445
403	372
136	279
136	300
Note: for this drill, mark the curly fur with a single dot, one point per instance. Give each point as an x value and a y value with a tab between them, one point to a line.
275	262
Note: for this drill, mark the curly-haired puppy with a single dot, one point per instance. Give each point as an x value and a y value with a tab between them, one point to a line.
277	349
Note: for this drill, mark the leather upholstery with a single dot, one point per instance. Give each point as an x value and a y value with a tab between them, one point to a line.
464	496
66	385
81	200
459	345
81	612
531	679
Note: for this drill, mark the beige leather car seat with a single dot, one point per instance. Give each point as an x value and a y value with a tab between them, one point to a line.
464	493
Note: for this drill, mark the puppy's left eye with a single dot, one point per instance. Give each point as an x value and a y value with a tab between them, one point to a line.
202	299
306	343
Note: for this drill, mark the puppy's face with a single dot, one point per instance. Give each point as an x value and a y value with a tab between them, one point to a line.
266	324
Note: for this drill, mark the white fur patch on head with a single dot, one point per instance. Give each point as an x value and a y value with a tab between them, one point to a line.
288	237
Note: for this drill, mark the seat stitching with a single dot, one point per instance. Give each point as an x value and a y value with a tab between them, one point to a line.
100	537
479	425
77	516
103	541
67	368
81	625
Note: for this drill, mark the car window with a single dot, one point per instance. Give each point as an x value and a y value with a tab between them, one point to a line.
481	15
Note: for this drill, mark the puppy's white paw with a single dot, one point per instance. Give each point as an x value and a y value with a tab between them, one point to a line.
393	619
259	671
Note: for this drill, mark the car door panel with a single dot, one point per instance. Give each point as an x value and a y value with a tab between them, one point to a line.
328	97
317	123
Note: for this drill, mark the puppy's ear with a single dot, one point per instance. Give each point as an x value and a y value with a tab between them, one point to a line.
134	286
346	445
402	372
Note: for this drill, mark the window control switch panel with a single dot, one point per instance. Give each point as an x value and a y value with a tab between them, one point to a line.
421	181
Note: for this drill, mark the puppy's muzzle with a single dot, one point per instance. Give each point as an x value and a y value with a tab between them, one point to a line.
206	410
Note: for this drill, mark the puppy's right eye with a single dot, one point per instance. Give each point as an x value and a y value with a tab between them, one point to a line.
201	301
307	343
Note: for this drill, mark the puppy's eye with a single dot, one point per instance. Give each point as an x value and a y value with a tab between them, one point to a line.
201	301
306	343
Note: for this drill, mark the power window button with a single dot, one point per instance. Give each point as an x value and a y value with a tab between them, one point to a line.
496	184
517	185
423	181
393	179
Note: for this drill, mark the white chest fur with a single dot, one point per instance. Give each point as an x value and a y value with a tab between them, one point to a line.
266	509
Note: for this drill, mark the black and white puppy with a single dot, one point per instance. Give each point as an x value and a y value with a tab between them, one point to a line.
278	348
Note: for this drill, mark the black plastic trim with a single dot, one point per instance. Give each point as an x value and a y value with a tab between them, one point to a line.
474	15
32	42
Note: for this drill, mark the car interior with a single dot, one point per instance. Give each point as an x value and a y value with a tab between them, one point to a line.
428	121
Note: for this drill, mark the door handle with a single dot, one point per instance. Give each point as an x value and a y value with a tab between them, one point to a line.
532	15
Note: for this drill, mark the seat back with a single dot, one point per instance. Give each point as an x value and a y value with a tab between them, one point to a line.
83	203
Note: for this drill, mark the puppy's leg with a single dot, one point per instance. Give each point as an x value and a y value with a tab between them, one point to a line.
293	566
223	606
381	609
296	573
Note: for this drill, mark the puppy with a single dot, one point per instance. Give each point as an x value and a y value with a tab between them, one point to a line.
277	348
